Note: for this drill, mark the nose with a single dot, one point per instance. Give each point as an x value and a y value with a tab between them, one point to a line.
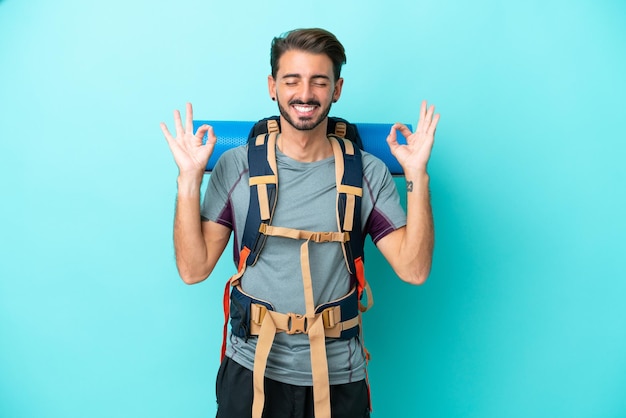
306	92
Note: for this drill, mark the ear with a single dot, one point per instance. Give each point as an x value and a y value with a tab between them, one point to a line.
271	87
338	87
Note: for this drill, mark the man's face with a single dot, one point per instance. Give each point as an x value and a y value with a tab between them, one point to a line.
304	88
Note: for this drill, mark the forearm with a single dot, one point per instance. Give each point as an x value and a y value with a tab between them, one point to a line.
416	248
189	243
410	249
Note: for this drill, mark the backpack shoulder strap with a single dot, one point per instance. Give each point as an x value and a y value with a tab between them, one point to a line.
349	180
263	192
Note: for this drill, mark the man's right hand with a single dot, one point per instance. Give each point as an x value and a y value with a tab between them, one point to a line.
190	154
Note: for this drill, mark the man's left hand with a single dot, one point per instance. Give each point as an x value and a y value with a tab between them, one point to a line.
413	157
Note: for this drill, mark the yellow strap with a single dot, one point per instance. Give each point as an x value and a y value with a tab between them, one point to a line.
256	180
309	302
260	139
261	181
271	152
349	146
350	190
280	231
341	129
317	341
370	298
286	323
319	368
339	167
335	332
348	220
263	347
235	278
272	126
264	202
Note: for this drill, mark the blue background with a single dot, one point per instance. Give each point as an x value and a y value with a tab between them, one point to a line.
524	313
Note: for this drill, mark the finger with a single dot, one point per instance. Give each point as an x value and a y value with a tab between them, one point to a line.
211	139
178	124
433	125
201	132
166	132
404	130
392	140
429	114
392	136
425	119
189	119
420	122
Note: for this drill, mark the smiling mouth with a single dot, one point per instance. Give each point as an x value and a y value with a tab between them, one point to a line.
304	110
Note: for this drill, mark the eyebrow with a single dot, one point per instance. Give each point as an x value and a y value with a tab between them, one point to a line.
316	76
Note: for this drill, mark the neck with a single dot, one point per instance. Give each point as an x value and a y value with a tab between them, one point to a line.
304	146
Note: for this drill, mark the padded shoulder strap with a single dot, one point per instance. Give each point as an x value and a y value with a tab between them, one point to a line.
349	179
263	192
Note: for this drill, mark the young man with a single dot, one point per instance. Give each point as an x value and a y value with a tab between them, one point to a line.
305	81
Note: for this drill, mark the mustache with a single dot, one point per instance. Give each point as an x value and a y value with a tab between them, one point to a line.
300	102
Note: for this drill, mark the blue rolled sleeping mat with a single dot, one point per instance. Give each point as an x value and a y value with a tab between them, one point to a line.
231	134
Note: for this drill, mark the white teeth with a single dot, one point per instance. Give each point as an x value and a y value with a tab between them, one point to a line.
304	109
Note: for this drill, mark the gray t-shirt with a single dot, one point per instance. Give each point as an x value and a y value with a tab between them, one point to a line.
306	200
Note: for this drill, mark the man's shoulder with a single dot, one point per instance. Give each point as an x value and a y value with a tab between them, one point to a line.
239	152
233	159
372	164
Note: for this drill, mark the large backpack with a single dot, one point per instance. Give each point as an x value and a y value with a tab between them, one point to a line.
341	319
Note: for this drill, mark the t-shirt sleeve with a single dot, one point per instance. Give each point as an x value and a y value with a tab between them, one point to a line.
217	205
385	213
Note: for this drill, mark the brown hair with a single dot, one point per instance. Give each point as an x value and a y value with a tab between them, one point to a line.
315	41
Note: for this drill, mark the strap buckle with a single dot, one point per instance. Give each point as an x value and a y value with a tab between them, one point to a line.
296	324
330	237
331	316
257	313
322	237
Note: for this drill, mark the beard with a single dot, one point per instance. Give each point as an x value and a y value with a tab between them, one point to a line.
304	124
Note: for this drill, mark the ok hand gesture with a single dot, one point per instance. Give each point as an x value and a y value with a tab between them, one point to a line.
414	156
190	155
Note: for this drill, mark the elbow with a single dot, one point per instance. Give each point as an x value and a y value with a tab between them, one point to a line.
416	279
416	276
192	271
190	277
191	280
418	268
